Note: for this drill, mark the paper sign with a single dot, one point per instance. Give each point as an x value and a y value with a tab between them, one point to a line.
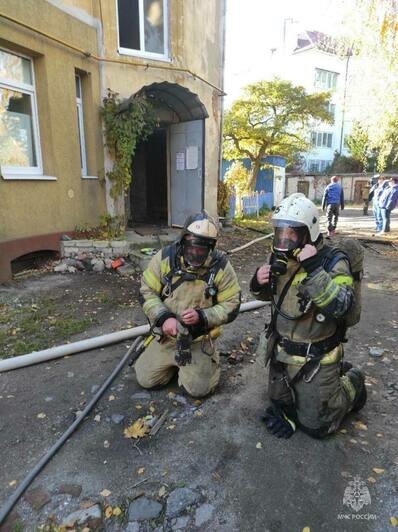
180	160
192	157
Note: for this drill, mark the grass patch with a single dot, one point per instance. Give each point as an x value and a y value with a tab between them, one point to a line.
259	224
34	326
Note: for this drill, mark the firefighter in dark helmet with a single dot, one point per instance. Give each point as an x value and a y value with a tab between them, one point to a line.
189	290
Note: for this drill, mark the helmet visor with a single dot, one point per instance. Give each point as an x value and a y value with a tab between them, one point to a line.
196	250
289	235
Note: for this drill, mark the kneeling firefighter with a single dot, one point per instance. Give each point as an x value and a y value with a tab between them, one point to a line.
311	289
189	290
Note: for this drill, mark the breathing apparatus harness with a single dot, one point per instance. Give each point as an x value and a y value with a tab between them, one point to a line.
218	261
186	335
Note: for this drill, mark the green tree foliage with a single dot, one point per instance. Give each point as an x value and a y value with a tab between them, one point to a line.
272	118
237	178
125	124
358	143
223	197
342	164
371	29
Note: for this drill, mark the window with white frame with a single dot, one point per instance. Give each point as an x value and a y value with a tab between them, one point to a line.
321	140
332	110
317	165
325	79
19	129
143	28
80	124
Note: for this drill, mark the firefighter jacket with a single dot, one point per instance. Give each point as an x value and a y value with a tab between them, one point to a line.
168	288
317	298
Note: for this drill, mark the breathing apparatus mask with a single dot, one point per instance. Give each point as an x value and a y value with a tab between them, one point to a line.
289	239
196	249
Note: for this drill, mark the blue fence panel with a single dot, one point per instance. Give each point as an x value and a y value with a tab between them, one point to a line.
232	206
250	202
265	177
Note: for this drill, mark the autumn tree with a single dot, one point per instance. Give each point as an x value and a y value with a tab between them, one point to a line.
272	118
370	28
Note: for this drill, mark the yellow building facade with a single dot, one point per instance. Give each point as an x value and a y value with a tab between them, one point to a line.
58	58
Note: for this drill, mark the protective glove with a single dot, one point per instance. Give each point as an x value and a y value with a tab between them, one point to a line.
183	354
278	423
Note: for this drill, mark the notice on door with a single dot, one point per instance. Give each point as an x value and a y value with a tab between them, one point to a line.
192	157
180	161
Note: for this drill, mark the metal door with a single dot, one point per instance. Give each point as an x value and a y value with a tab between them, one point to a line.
186	170
303	187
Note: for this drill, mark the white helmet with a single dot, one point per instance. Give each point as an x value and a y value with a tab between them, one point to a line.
298	211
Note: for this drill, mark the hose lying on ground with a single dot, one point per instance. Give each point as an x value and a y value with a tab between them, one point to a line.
23	486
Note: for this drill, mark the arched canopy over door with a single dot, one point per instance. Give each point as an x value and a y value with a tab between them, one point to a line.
181	115
184	104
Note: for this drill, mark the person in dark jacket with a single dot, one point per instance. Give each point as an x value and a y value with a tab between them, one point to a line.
388	201
375	193
333	199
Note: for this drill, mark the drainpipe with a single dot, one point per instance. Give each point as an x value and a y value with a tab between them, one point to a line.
93	343
221	96
349	54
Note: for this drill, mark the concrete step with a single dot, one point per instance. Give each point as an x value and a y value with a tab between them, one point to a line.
139	259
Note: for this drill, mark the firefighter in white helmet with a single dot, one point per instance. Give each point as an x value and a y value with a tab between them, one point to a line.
310	287
189	290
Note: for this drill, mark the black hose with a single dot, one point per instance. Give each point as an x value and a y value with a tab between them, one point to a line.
13	499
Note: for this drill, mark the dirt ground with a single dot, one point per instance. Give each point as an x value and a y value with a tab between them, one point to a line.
244	478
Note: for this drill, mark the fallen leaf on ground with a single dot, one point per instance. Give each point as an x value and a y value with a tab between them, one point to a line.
378	470
137	430
162	491
42	415
171	395
111	398
12	483
105	493
361	426
394	521
372	480
343	431
117	511
259	445
353	441
198	413
97	418
138	407
152	409
171	427
84	505
140	470
108	512
306	529
198	402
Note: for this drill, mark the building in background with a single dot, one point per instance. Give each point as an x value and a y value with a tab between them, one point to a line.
58	58
315	61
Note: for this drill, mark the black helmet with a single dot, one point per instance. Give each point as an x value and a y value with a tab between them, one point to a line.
198	238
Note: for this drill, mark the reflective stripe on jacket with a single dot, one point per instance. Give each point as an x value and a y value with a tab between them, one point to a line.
158	303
